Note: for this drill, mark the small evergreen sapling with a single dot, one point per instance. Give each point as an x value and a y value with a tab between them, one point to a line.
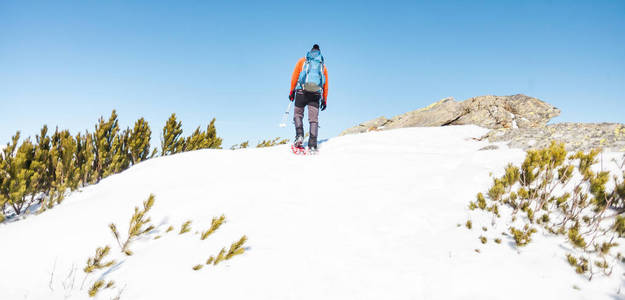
19	177
576	238
481	202
203	139
171	141
103	138
139	141
271	143
235	249
242	145
139	224
85	158
95	288
522	237
186	227
96	263
215	224
110	284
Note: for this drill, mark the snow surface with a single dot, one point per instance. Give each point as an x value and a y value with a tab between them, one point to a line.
374	216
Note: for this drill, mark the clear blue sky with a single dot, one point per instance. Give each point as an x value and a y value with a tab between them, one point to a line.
67	63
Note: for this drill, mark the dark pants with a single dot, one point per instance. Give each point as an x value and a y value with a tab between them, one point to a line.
303	99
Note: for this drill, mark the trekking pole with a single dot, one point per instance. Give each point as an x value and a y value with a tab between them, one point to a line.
286	115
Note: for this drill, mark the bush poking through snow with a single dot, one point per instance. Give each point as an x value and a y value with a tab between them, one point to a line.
186	227
172	141
576	238
522	237
41	172
95	288
235	249
271	143
137	226
469	224
242	145
215	224
110	284
564	195
95	262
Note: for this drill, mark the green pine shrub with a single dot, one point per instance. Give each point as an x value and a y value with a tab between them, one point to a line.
215	224
43	171
271	143
171	140
481	202
105	144
203	139
186	227
95	288
85	158
565	196
576	238
19	177
139	141
139	225
522	236
242	145
110	284
96	263
235	249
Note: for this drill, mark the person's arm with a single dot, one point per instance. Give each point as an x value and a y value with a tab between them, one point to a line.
325	85
295	76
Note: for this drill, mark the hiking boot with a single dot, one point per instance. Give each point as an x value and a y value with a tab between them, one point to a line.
299	140
312	142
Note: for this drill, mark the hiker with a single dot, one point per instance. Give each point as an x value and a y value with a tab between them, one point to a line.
309	87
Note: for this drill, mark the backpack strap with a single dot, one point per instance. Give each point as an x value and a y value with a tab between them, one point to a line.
303	75
307	66
323	77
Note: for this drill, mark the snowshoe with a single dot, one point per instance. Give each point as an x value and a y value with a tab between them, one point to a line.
298	150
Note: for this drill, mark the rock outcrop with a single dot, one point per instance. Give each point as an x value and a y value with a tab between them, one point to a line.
575	136
519	120
517	111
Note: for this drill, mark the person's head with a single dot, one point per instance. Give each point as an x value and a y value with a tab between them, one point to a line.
315	47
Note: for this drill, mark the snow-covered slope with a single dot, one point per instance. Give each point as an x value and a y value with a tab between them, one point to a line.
374	216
